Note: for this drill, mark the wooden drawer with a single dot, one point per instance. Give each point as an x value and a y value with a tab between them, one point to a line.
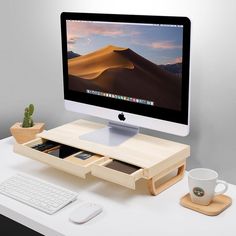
109	172
70	164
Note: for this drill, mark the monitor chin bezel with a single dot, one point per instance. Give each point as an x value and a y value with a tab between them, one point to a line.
130	119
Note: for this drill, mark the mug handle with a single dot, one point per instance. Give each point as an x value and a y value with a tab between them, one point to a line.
223	190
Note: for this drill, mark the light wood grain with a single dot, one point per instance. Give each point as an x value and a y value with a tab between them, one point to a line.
115	176
155	190
23	135
219	204
86	163
155	157
150	153
70	167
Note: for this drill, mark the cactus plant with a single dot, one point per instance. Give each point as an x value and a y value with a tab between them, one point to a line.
28	121
26	130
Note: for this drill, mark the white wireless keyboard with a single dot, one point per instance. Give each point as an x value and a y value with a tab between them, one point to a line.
37	193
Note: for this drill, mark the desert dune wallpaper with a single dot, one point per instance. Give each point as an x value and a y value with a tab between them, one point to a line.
133	60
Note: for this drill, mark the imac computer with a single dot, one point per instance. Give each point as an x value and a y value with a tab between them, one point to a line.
132	70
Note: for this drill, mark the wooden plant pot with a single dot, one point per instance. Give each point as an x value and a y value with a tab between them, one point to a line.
23	135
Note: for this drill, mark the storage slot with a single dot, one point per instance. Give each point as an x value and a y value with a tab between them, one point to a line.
66	160
56	149
122	167
93	158
118	172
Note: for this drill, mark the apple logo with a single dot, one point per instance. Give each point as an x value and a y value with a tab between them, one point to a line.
121	116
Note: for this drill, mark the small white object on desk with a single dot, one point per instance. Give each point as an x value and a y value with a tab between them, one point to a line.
85	212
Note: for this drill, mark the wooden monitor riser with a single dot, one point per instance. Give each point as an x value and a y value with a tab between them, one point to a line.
154	157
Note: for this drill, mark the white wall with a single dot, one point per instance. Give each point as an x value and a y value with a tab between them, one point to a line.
31	68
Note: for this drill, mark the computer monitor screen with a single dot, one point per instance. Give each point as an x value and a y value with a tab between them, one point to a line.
132	64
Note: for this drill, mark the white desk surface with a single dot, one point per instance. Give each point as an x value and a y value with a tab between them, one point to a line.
126	212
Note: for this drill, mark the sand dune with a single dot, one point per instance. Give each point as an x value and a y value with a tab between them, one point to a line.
123	72
91	65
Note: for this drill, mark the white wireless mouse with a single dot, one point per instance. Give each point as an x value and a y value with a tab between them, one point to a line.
85	212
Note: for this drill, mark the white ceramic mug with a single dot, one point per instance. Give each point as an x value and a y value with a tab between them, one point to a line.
202	183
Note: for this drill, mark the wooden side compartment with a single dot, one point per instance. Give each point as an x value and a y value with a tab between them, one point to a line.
120	175
70	164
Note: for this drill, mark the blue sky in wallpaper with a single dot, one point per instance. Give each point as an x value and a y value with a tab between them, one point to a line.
161	45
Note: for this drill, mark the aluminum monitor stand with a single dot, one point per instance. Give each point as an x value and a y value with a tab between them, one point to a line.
112	135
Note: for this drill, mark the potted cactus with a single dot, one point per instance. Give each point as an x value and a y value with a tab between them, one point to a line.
27	130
